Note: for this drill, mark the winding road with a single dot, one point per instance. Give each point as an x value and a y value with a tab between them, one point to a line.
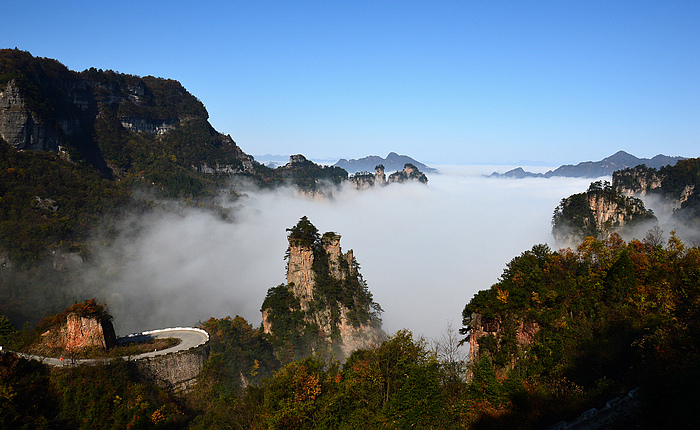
189	337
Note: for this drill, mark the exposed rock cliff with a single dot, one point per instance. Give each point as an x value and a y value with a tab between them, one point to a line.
364	180
96	115
82	325
409	173
22	128
479	326
677	187
325	305
81	332
598	212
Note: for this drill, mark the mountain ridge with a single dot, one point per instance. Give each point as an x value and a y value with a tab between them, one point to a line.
392	162
594	169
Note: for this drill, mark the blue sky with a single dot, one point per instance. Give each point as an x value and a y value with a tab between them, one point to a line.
444	82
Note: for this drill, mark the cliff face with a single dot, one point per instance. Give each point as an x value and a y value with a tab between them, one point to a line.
636	181
46	107
325	304
410	172
300	274
677	186
80	332
610	214
598	212
479	326
22	128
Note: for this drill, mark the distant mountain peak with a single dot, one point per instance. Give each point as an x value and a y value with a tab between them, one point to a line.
392	162
623	157
595	169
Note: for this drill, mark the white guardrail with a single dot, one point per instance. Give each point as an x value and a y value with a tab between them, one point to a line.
55	361
163	330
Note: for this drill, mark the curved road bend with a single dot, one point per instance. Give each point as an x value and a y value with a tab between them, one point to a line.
189	338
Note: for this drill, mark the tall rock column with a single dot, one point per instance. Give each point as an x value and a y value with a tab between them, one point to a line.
300	273
325	305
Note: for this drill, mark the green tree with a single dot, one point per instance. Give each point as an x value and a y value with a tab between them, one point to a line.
7	330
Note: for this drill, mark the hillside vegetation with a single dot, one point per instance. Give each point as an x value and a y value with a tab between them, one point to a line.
598	212
619	207
677	186
560	333
573	328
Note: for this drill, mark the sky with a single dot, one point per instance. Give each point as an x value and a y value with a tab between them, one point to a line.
445	82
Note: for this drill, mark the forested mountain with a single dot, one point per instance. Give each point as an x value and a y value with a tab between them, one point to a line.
677	186
560	333
590	325
121	124
78	150
618	207
610	329
325	307
75	145
598	212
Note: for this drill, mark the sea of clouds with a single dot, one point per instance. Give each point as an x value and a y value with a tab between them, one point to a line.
424	251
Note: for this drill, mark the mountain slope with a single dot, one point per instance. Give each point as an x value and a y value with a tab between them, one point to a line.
120	124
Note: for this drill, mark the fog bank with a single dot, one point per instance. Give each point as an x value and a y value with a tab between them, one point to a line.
423	250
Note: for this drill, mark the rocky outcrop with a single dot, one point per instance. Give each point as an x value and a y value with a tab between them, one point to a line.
311	180
146	125
480	326
409	173
22	128
609	214
300	274
44	106
177	371
365	180
637	181
362	181
598	212
379	176
677	186
80	332
297	159
326	296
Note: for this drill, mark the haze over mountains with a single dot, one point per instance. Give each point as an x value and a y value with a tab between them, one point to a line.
595	169
392	162
122	197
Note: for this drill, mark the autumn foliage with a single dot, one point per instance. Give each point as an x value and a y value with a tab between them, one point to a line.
611	316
